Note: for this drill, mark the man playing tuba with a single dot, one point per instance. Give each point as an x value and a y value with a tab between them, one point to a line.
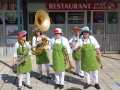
41	58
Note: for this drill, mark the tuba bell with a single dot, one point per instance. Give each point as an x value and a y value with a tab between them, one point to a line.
42	21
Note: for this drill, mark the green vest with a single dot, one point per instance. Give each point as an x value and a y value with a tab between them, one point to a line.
88	57
58	57
42	58
25	66
76	55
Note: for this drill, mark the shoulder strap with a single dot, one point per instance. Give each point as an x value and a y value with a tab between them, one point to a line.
61	40
83	41
90	40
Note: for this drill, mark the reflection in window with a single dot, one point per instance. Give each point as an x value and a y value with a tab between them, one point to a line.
112	17
98	17
31	17
75	17
1	21
57	17
11	18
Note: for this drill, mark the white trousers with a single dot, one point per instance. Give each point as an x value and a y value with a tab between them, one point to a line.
20	78
40	67
94	76
78	68
59	77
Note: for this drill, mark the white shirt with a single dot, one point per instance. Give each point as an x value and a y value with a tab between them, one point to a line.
62	40
36	39
16	46
73	38
92	39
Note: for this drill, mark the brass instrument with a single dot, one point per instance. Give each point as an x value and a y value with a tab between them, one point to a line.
40	49
69	65
101	65
21	59
42	21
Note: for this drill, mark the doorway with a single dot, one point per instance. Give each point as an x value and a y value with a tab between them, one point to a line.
104	25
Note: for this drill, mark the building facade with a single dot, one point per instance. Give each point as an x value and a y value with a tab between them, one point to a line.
103	18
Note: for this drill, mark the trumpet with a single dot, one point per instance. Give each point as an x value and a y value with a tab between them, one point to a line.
100	63
69	65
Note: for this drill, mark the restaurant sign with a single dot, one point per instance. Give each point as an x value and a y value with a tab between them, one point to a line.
8	6
81	5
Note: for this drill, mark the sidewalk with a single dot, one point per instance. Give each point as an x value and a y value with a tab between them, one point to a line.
109	77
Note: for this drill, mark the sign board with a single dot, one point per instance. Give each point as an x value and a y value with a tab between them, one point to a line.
81	5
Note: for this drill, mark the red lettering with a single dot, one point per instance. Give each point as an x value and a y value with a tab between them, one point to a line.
8	4
1	4
15	7
98	14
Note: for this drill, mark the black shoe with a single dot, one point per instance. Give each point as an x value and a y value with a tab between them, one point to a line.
86	86
56	86
61	86
30	87
39	78
81	76
49	77
76	74
19	88
97	86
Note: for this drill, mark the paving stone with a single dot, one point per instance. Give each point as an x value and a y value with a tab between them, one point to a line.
108	77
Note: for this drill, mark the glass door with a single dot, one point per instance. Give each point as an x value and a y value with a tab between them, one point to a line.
112	31
98	28
104	25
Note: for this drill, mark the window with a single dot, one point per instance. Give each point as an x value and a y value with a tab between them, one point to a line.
31	17
98	17
112	17
57	17
75	17
1	21
11	18
88	17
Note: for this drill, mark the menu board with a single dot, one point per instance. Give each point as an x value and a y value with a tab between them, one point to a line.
75	17
57	17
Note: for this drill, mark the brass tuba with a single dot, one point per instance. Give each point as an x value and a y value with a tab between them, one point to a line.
42	21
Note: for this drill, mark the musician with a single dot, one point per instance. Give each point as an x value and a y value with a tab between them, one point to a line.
89	54
76	55
41	59
25	67
59	61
